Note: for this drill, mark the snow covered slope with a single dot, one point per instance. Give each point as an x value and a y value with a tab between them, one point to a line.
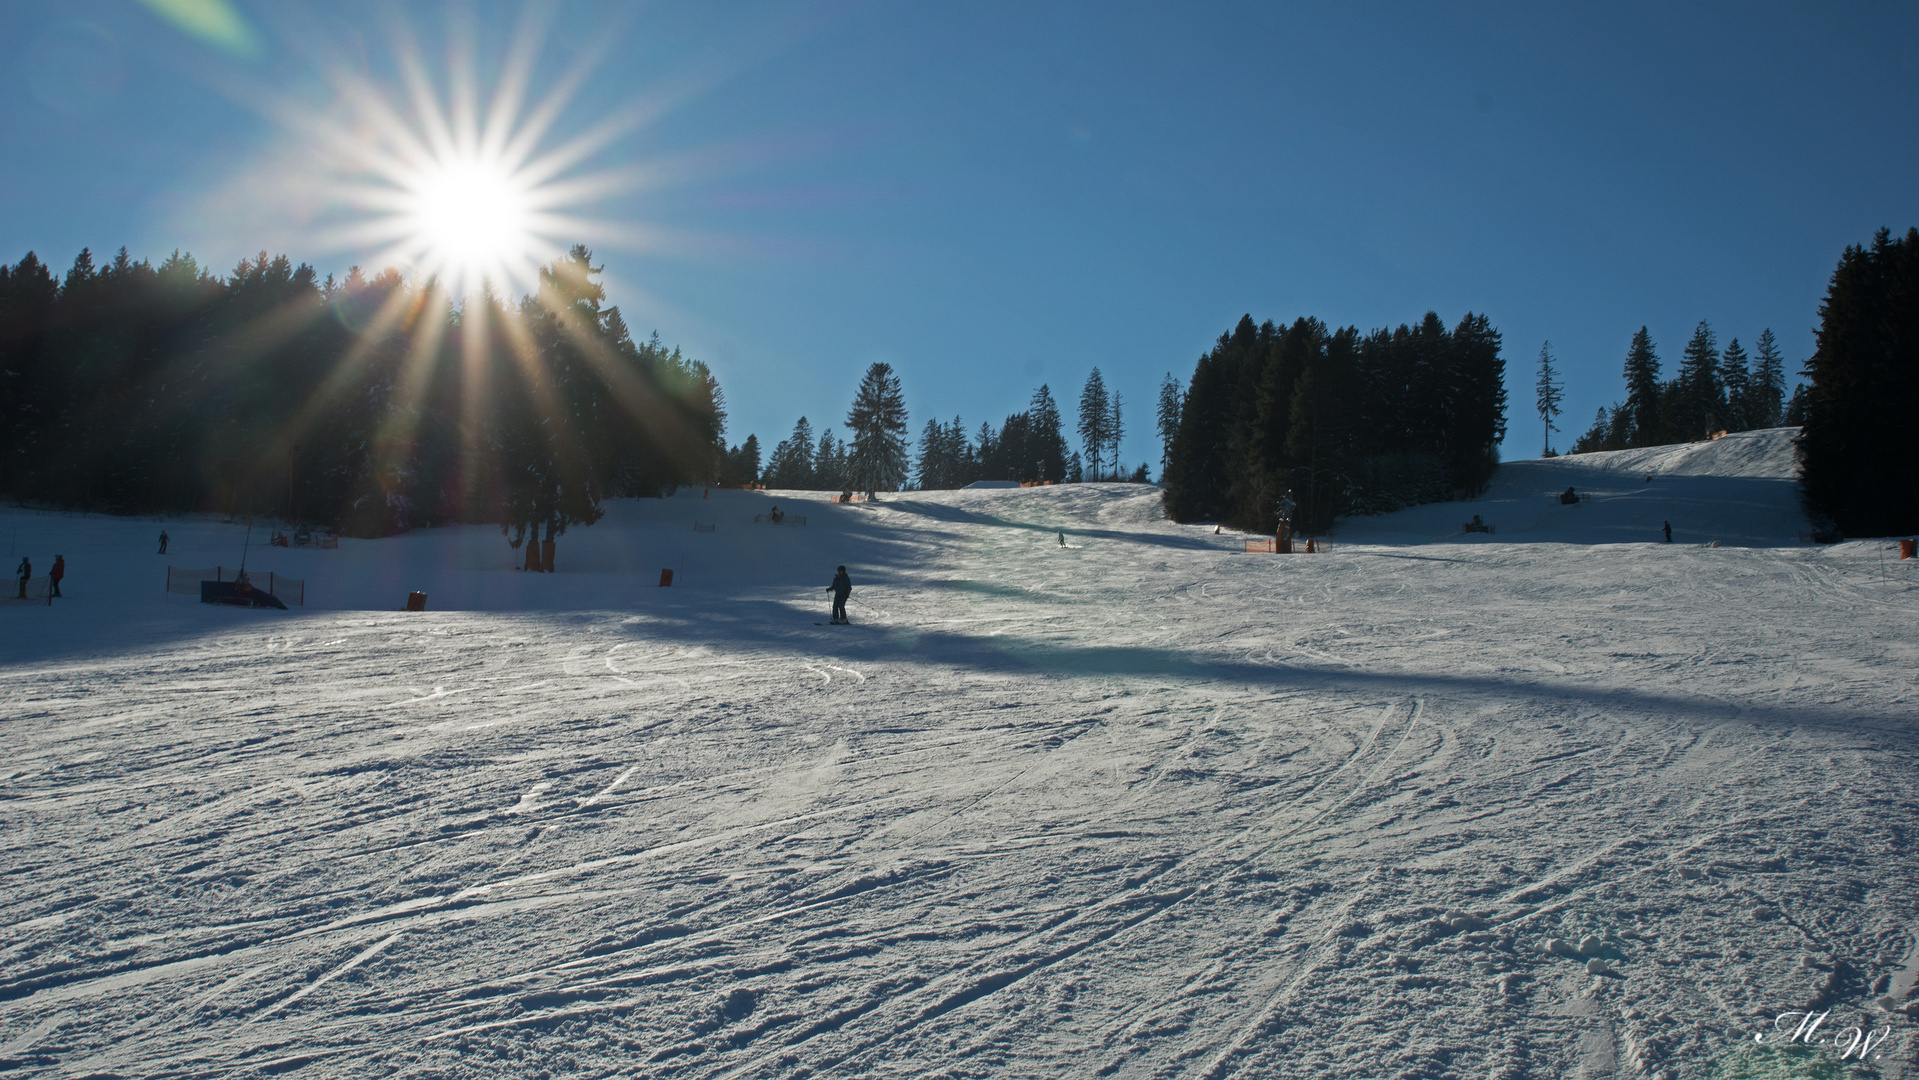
1135	805
1742	489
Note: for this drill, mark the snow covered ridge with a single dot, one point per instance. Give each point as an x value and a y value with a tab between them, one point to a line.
1135	804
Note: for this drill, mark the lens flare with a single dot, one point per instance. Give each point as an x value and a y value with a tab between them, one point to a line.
463	169
471	183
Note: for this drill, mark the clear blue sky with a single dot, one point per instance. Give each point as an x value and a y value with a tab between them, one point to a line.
992	195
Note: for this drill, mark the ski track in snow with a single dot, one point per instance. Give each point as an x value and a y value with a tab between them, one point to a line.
1161	810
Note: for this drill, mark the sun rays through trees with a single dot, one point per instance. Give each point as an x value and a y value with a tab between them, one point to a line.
371	405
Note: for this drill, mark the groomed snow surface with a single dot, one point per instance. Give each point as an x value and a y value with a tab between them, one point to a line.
1563	800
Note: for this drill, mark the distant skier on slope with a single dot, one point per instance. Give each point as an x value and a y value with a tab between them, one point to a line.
59	571
1667	526
163	541
25	570
1062	539
841	588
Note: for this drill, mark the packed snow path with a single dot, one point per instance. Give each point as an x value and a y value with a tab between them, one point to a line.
1141	805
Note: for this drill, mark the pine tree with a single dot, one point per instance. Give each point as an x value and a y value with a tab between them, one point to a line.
945	461
1702	396
1551	393
1768	387
791	464
962	467
1476	379
1732	372
1168	417
1017	460
1095	414
878	458
1048	439
1075	471
829	464
1642	391
989	452
1115	431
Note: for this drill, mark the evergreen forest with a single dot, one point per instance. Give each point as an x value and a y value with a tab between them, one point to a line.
376	405
1714	390
1856	447
365	405
1339	422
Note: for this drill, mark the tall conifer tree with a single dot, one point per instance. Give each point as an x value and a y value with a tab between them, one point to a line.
1702	394
1550	393
877	460
1095	416
1738	383
1642	391
1048	437
1168	417
1768	381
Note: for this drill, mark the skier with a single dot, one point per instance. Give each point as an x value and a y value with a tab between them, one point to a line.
841	588
1062	539
1667	525
25	571
59	571
163	541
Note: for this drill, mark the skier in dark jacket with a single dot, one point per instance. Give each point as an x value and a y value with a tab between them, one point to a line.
841	588
25	571
59	571
1667	526
163	541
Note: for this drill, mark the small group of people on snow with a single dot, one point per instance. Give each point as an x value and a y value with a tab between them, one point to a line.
25	573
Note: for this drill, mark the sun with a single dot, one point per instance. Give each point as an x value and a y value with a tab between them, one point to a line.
469	219
470	185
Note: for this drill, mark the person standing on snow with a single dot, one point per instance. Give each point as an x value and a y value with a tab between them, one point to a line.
841	588
25	572
1667	526
59	571
163	541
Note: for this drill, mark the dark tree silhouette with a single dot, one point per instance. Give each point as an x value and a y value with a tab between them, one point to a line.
1856	446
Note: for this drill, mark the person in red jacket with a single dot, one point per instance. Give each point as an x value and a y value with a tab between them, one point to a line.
59	571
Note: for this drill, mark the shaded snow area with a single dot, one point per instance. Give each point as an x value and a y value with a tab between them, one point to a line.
1558	801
